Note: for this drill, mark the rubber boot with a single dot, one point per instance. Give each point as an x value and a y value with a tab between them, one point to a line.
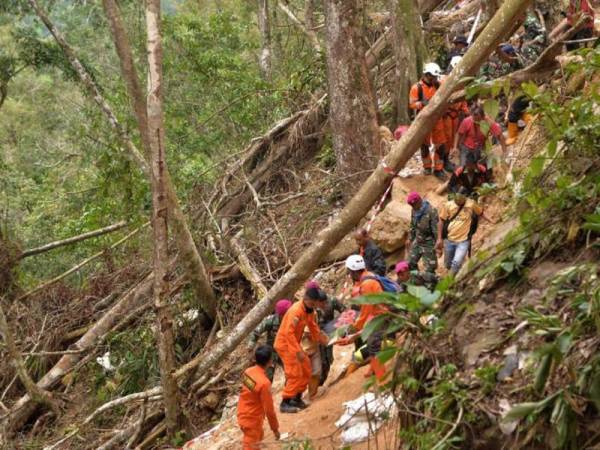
513	133
313	386
298	402
287	407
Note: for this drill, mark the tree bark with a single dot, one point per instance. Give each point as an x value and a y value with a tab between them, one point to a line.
164	315
369	192
73	240
352	111
190	257
407	44
264	26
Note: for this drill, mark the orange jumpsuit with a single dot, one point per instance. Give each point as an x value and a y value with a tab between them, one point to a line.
454	114
287	346
255	403
368	312
437	136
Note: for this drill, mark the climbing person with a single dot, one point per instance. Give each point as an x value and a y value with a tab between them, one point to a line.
326	320
256	401
518	118
311	347
420	95
458	222
452	118
404	276
367	284
270	326
470	138
296	364
470	176
369	250
503	62
576	10
402	272
423	233
459	47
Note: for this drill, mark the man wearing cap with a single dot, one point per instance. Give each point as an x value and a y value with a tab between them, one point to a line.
502	63
420	95
423	234
459	47
366	284
456	228
296	363
469	176
270	326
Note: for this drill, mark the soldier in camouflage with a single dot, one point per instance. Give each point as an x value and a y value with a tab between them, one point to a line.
269	326
533	41
327	317
502	63
423	234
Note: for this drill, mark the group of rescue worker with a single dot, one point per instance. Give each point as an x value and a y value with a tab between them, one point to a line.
298	333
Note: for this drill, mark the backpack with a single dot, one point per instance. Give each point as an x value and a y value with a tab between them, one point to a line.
386	284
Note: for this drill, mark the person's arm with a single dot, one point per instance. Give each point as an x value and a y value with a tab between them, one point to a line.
476	208
413	99
289	337
315	331
439	244
257	333
267	402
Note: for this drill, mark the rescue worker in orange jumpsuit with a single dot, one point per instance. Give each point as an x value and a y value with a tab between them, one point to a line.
256	401
453	116
420	94
365	283
296	363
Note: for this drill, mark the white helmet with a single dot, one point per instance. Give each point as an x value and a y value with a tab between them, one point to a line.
454	61
432	69
355	262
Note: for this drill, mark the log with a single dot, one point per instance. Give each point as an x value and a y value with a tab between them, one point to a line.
73	240
369	192
83	263
246	267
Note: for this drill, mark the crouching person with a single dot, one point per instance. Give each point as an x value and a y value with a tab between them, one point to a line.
256	401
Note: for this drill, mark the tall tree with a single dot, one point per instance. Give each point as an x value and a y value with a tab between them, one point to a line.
264	25
164	316
353	115
408	48
189	253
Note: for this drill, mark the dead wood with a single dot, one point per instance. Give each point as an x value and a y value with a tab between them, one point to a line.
73	240
246	267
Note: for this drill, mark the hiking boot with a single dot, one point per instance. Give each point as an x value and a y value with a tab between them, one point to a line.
287	407
427	171
440	175
298	402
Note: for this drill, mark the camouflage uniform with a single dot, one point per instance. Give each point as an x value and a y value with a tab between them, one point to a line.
326	317
270	326
423	235
496	68
534	40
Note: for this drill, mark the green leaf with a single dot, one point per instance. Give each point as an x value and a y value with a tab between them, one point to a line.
536	166
491	108
521	410
542	372
373	325
445	283
386	354
425	296
530	89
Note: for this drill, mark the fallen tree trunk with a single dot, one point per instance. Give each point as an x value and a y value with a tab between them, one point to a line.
370	191
73	240
25	407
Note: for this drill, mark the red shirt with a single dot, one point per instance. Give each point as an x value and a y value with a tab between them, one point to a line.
577	6
473	137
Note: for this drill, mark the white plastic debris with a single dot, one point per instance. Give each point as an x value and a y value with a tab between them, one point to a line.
363	416
104	361
188	316
506	427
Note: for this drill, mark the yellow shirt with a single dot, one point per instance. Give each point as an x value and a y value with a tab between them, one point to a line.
458	229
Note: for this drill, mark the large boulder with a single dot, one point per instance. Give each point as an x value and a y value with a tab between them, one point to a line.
390	228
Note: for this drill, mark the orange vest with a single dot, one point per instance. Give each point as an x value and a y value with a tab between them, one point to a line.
367	312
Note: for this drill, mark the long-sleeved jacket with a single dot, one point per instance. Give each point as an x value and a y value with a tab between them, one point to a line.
423	225
374	259
292	327
368	285
256	400
270	326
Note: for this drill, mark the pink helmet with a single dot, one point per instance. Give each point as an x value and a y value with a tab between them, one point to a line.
282	306
402	266
413	198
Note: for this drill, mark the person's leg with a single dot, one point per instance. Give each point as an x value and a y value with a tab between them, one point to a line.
373	347
414	256
252	436
463	152
462	248
293	382
430	258
426	158
449	251
316	364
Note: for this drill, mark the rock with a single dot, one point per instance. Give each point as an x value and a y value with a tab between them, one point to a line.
511	362
481	343
345	248
390	228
